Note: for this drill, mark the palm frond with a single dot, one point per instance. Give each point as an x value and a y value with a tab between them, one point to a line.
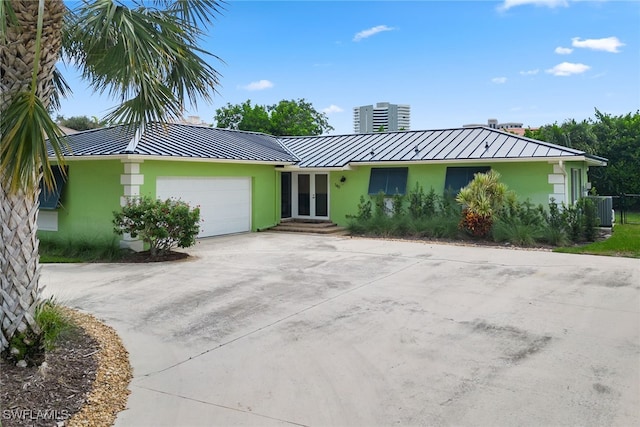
146	58
195	12
61	89
25	127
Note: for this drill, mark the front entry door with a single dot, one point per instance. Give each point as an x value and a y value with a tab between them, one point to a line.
311	195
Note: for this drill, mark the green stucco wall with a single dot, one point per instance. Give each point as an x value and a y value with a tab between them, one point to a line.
529	180
93	190
90	195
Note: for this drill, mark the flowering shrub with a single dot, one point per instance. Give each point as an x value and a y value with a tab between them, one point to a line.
160	224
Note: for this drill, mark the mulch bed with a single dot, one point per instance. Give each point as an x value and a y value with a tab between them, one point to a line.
83	382
145	256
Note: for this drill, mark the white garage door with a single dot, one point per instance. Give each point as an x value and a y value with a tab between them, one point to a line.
225	203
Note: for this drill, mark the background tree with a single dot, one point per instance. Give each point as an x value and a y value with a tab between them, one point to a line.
288	117
616	138
619	138
80	122
147	57
243	116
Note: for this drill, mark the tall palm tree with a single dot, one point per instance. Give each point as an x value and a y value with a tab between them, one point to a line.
146	56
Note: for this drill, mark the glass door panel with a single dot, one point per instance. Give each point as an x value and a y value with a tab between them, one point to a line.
321	195
304	194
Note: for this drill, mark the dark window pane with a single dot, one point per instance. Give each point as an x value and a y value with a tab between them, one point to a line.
388	180
285	189
49	198
459	177
322	205
304	195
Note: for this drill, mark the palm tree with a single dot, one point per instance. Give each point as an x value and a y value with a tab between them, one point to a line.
145	56
481	200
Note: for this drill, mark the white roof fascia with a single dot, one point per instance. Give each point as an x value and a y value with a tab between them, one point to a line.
295	168
142	158
478	160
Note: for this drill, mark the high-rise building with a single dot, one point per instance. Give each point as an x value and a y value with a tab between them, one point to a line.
390	117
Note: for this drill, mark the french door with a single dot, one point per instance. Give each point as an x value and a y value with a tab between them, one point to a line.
310	195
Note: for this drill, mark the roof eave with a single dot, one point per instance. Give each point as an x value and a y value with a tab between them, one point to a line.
142	158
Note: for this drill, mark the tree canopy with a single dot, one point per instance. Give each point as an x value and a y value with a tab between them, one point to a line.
616	138
80	122
288	117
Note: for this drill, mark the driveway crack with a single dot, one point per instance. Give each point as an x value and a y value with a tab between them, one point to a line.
217	405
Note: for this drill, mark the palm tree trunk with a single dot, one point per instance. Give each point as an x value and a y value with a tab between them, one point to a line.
20	270
19	267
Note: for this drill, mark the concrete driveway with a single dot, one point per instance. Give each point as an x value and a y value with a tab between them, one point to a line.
279	329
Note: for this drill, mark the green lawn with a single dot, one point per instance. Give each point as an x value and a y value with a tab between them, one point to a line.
631	217
624	242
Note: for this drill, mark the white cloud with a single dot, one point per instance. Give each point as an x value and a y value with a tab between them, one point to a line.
529	72
499	80
332	109
508	4
371	32
259	85
567	69
607	44
563	50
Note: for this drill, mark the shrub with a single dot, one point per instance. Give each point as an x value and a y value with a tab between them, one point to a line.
430	204
481	200
30	346
397	206
52	322
518	223
364	210
380	206
160	224
573	222
416	200
476	224
590	218
515	232
79	249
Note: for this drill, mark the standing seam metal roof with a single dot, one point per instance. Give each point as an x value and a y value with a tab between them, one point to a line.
180	140
476	143
196	141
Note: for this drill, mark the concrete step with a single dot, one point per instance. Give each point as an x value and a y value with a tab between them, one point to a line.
309	227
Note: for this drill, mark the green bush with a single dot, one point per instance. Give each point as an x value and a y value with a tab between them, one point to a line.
162	225
416	201
397	207
519	223
52	322
590	218
555	230
31	345
79	249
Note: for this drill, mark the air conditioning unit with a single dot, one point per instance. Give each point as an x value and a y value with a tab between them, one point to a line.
604	205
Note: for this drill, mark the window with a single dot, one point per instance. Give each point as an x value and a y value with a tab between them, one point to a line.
576	184
388	180
49	199
459	177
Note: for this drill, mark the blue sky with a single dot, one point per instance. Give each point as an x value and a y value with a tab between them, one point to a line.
454	62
